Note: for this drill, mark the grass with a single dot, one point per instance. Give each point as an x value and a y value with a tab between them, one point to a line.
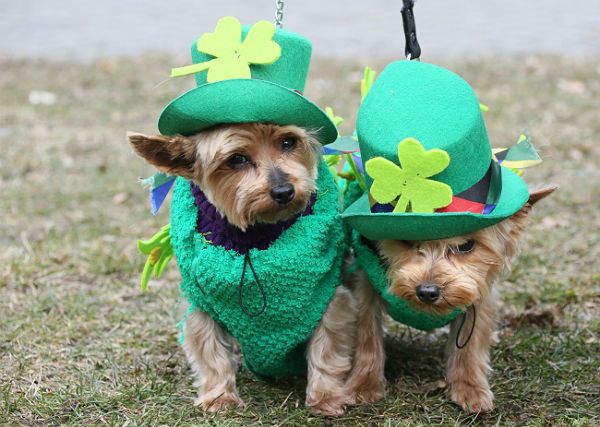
81	345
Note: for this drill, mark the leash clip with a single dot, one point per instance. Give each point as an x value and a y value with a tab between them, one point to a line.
412	50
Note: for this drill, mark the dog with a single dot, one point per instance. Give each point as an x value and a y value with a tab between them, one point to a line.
439	276
255	173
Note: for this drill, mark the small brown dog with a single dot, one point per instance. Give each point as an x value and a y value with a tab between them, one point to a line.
255	173
438	276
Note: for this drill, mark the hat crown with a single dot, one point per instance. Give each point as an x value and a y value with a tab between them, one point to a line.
437	107
290	70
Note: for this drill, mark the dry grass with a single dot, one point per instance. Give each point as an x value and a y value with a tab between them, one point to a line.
80	344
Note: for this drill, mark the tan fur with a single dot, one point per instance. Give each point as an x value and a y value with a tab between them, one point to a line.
330	353
174	155
467	369
211	353
366	378
242	195
465	280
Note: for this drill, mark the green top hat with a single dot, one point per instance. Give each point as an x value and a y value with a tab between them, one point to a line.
243	75
428	161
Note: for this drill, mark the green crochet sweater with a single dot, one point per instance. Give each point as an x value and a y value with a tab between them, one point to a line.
299	273
399	309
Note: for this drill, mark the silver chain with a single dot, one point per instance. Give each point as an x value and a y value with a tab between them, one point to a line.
278	13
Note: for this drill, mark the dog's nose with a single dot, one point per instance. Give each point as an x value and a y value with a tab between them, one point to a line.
282	194
428	293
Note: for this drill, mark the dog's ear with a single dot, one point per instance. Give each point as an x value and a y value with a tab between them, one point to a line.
519	219
512	228
175	155
541	193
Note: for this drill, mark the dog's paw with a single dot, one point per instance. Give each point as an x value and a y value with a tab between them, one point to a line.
367	390
369	395
471	398
330	405
328	409
222	402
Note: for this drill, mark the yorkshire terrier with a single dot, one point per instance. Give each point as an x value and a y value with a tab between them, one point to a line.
255	173
438	276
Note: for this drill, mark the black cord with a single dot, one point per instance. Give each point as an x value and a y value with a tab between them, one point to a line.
248	261
462	323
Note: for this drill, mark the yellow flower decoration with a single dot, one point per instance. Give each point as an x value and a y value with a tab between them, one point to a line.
233	56
408	183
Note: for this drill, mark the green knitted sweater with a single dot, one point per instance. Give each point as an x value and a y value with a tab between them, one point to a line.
299	273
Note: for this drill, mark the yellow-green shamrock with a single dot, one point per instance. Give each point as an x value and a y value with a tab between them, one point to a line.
232	56
409	181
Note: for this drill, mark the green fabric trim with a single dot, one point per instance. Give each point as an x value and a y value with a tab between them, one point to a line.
243	101
399	309
299	273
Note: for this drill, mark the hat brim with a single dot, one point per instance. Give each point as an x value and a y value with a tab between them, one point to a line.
243	101
438	225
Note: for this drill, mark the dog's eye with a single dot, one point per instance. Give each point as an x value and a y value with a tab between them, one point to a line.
465	247
288	143
238	161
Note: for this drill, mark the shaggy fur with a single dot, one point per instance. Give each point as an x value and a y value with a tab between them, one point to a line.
464	274
238	167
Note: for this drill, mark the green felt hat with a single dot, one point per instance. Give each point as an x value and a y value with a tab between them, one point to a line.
428	161
249	74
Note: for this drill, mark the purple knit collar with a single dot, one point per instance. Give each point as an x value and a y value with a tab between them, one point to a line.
219	232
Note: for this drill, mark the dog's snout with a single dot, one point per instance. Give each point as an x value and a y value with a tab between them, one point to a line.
428	293
283	193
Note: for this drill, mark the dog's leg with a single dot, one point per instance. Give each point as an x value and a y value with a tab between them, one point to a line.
210	352
366	380
330	356
468	368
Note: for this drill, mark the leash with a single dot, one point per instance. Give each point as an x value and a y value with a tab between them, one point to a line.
412	50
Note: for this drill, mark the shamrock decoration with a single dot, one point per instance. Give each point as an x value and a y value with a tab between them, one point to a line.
337	120
159	251
233	56
409	182
367	82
